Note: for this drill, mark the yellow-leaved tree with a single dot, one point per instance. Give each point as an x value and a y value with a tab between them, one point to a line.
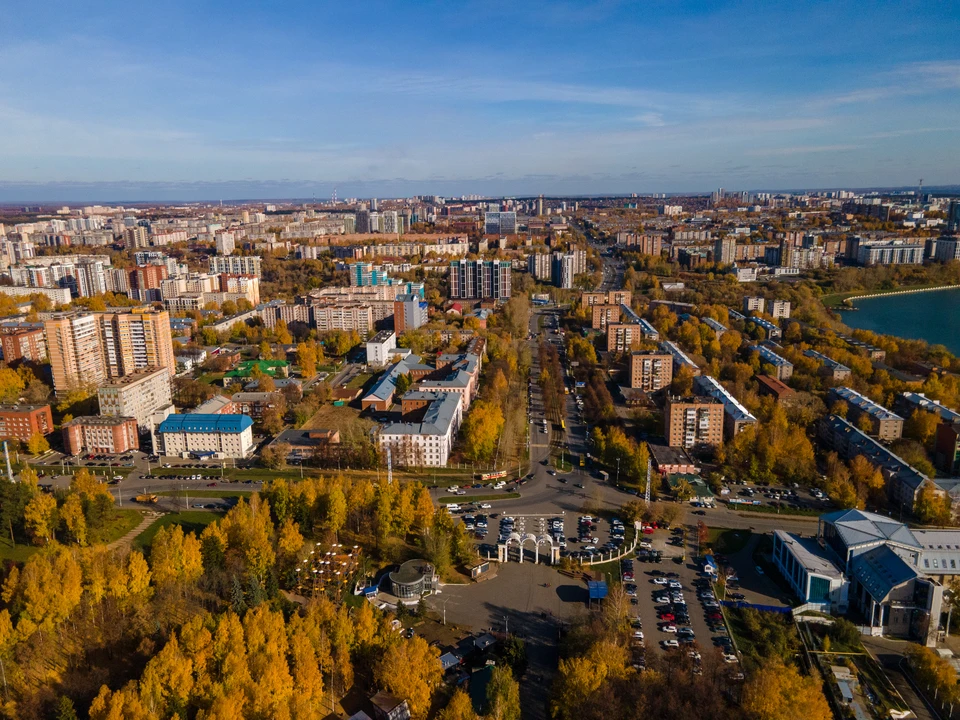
779	692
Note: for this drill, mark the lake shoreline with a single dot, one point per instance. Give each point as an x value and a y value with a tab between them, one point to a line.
912	314
908	291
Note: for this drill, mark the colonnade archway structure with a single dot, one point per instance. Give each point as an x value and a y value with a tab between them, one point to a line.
521	540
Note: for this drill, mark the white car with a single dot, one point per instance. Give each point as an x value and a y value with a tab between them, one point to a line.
659	581
674	585
485	506
645	545
668	628
669	644
730	659
638	634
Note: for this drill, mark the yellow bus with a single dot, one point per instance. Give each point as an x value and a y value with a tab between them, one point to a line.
563	424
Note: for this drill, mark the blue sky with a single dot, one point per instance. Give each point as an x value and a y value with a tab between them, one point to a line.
257	99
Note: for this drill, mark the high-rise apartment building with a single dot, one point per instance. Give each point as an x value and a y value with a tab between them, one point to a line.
136	340
364	274
692	422
225	243
138	395
540	266
86	349
235	265
651	372
753	304
500	223
144	278
135	237
725	250
953	217
75	351
947	249
480	279
409	312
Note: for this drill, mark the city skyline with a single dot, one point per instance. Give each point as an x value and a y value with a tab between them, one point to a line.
496	99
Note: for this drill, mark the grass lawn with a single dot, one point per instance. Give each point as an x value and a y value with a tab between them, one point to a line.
190	521
563	465
21	553
359	381
728	542
118	524
477	498
345	419
210	378
207	493
95	470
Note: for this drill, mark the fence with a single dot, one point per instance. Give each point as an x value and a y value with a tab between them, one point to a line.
741	605
615	554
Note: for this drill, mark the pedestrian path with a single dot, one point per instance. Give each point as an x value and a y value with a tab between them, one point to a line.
127	540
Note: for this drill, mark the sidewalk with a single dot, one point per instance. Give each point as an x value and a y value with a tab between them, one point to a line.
127	540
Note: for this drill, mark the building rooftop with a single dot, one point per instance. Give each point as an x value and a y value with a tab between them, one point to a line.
922	402
810	554
771	357
876	453
437	419
99	420
828	361
858	527
678	355
628	315
134	377
22	408
711	386
648	329
212	406
713	324
864	404
380	338
881	570
776	386
384	388
203	423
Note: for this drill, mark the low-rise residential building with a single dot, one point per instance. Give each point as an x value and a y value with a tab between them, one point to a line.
736	416
461	376
909	402
220	436
651	372
611	297
693	422
782	368
903	481
778	390
829	367
138	395
947	447
426	443
717	327
24	421
773	331
100	434
380	396
886	425
255	404
680	358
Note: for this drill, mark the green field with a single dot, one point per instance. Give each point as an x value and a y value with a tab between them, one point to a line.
19	554
835	300
191	521
728	542
477	498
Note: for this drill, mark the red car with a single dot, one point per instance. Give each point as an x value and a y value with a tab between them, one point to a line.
667	617
648	531
714	616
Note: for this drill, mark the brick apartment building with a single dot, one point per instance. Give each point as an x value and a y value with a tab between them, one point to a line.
651	372
22	343
23	421
692	422
100	434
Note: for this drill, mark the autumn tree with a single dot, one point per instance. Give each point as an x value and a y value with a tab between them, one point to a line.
922	427
39	518
37	444
503	695
779	692
411	671
481	430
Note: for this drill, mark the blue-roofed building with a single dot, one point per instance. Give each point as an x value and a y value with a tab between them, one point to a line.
829	367
222	436
888	577
735	416
782	368
773	331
